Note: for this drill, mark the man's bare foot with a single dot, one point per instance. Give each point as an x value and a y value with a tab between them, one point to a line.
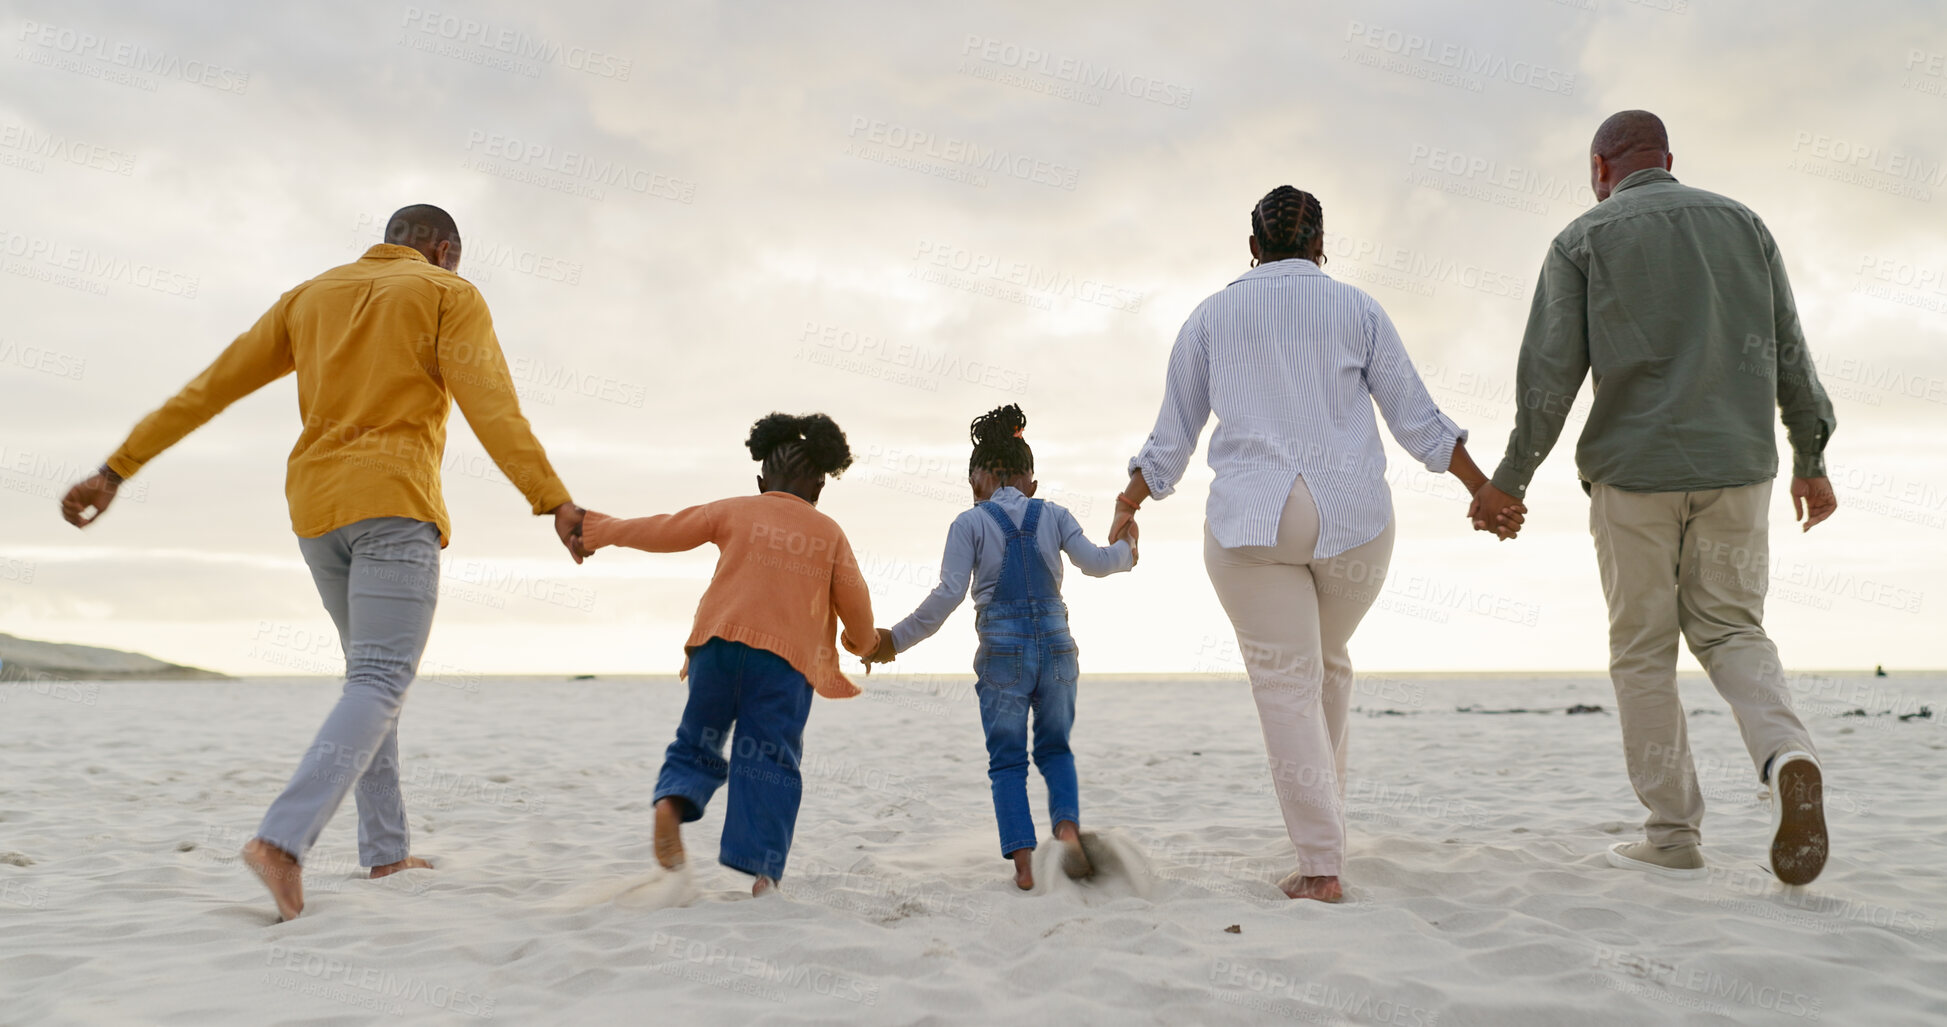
409	863
669	833
1074	861
280	873
1324	889
1023	868
762	886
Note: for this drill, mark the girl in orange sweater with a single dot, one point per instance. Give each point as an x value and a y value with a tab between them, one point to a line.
761	644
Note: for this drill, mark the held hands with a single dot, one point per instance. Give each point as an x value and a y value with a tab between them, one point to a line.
1123	525
92	494
1496	511
1812	500
567	524
883	654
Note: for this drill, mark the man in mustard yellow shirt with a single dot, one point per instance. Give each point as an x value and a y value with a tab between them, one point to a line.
382	347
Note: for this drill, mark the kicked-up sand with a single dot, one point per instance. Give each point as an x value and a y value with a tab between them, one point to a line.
1476	889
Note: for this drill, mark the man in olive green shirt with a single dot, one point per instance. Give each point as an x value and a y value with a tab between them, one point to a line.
1676	301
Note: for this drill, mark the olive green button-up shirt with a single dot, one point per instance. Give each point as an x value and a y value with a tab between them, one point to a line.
1675	299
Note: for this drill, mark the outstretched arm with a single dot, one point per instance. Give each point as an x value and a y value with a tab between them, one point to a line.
1089	558
662	533
475	371
956	572
257	357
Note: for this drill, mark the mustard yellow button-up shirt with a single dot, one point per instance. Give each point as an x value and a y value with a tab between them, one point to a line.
381	348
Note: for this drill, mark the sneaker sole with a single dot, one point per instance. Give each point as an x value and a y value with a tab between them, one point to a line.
1798	847
1622	862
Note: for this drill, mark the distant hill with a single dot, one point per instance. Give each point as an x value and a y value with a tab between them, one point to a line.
23	659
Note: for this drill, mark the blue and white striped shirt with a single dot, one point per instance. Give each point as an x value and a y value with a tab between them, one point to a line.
1287	357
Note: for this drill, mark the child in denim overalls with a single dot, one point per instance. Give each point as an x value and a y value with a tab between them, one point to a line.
1008	548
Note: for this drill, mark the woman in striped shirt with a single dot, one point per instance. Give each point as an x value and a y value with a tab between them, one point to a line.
1299	526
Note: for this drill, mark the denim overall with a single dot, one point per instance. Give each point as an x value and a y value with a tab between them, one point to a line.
1026	662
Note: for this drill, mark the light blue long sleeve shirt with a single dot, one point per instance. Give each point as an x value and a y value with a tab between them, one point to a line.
975	546
1291	362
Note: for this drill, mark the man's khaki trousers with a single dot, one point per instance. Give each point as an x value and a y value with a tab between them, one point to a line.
1694	563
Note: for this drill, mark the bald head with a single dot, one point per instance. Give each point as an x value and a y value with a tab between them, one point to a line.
429	230
1627	142
1629	132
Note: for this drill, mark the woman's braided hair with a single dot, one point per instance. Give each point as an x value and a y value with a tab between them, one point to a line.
1288	222
998	445
799	447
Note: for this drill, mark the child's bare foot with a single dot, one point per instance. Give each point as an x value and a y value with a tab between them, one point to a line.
409	863
669	833
1324	889
762	886
1074	861
1023	868
280	873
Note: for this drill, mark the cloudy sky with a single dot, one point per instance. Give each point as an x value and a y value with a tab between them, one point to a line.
687	215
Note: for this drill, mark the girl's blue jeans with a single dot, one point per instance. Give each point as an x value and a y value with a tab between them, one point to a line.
768	701
1026	673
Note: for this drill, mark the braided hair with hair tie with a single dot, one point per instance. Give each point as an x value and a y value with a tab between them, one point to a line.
1289	222
799	447
998	446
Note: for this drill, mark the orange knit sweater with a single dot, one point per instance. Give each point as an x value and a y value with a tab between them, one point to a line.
785	577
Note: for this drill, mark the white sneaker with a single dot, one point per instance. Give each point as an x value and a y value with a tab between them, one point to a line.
1798	839
1631	856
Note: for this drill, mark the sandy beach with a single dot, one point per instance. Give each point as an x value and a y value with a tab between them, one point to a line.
1477	889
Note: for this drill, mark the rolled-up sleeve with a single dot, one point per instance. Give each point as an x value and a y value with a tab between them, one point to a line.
1411	415
1186	409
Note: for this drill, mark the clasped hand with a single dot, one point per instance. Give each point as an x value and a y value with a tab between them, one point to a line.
1496	511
